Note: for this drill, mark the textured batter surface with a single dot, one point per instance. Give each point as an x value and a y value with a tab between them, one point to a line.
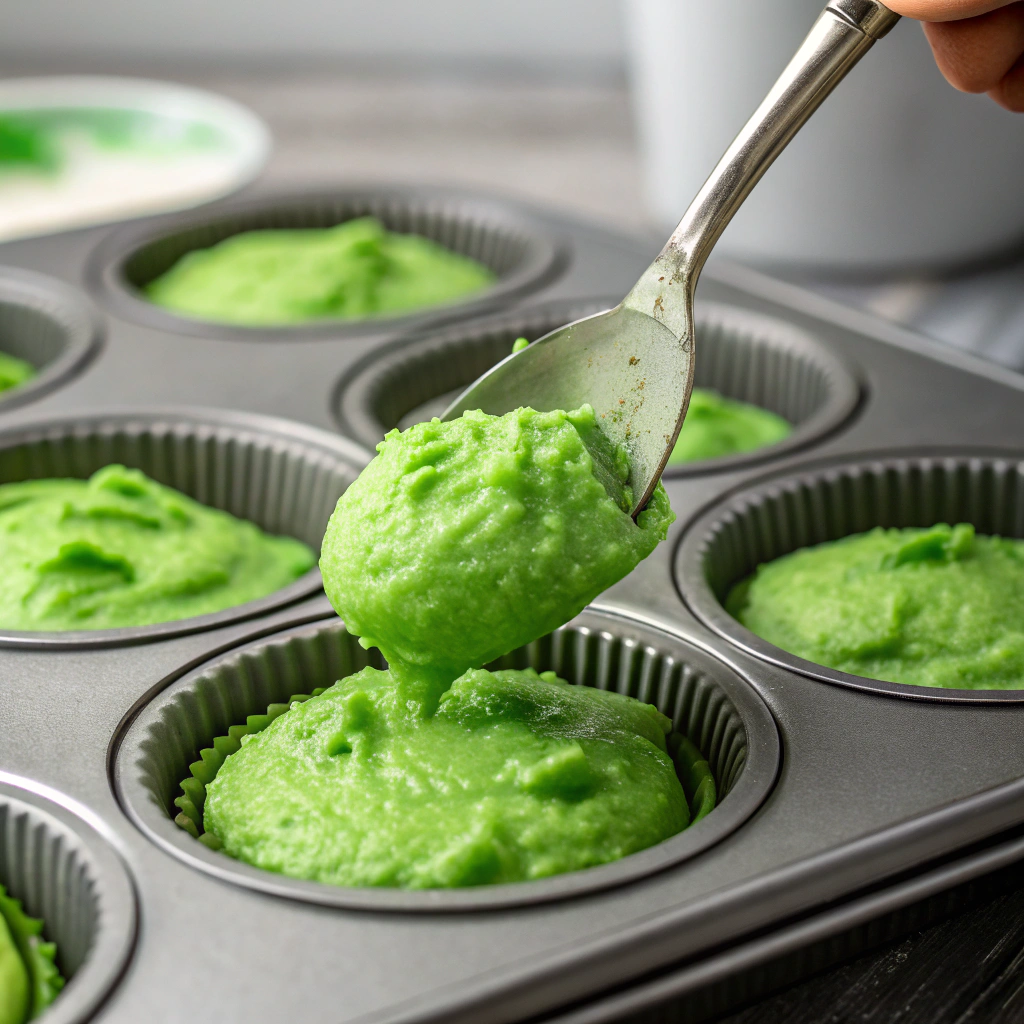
512	776
461	541
120	549
717	426
927	607
352	271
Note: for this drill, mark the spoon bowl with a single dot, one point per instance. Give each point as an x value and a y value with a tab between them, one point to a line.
631	368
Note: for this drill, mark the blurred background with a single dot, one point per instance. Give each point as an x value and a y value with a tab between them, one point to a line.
902	196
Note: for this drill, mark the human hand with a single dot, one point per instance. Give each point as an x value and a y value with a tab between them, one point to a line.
978	44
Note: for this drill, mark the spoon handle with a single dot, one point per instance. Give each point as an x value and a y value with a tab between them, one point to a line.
843	33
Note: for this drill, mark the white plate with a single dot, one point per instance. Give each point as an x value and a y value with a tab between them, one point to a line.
97	185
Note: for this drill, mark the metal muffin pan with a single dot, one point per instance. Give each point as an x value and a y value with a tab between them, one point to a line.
834	500
519	250
65	872
745	356
706	701
47	324
875	800
287	481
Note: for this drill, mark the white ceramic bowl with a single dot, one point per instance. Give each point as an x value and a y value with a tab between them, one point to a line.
100	185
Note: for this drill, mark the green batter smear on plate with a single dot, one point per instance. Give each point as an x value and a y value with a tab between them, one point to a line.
352	271
120	549
926	607
458	543
29	979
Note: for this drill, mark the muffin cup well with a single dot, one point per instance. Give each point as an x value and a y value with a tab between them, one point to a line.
742	355
519	249
708	703
46	323
836	499
64	872
284	477
417	379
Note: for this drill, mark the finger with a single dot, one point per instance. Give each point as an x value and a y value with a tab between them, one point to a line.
945	10
976	54
1009	92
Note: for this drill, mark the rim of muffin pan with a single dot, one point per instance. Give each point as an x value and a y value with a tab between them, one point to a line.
48	324
707	700
62	870
516	245
836	498
283	476
743	355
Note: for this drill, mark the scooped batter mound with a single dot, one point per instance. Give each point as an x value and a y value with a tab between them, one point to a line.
459	542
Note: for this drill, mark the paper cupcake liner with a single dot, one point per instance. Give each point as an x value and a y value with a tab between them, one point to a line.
742	355
283	477
202	772
47	324
37	954
835	499
518	249
726	747
63	882
416	379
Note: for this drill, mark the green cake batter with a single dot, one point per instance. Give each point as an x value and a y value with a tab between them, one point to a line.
29	981
120	549
513	777
461	541
926	607
717	426
458	543
352	271
14	372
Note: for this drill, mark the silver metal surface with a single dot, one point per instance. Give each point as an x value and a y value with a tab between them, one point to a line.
706	701
254	467
868	791
634	363
765	964
66	873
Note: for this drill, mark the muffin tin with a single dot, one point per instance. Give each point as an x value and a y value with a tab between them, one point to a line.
50	326
849	812
68	873
705	701
748	357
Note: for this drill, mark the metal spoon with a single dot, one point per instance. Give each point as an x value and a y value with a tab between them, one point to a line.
634	363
